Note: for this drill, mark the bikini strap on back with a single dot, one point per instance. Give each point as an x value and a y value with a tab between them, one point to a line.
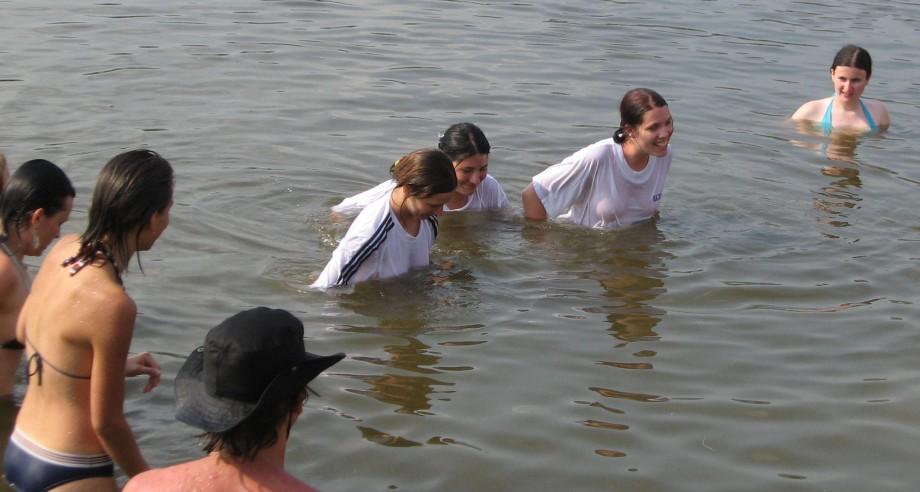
76	262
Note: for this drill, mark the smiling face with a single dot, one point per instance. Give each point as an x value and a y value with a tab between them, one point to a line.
471	172
653	134
48	227
849	82
428	206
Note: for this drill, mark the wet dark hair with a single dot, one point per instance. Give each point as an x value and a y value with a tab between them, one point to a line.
463	140
425	172
853	56
37	184
131	187
633	107
260	429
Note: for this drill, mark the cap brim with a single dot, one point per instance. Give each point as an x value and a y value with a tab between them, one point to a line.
195	407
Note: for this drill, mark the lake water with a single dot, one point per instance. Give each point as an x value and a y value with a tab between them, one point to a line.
762	335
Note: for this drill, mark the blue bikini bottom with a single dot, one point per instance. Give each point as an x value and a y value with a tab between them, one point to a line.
33	468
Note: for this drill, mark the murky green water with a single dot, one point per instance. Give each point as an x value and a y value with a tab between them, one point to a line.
762	335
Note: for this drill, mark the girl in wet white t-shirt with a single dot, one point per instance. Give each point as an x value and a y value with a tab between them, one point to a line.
468	149
395	232
615	182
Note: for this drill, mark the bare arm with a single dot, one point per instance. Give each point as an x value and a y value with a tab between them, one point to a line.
883	120
533	207
112	338
141	364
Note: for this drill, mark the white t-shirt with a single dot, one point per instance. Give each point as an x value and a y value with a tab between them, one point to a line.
595	187
376	247
489	195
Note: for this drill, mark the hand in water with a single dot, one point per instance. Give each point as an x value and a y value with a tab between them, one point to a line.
141	364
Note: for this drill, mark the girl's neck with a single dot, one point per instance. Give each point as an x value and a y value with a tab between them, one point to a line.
851	105
409	221
458	200
267	459
636	159
15	246
115	257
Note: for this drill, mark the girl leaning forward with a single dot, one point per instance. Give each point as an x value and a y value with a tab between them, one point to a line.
397	231
77	325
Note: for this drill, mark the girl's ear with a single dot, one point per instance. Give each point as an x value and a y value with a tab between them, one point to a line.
37	215
158	221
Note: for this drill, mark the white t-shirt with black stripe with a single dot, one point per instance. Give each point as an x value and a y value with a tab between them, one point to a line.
376	247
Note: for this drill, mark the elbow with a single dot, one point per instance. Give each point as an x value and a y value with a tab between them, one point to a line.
533	208
108	428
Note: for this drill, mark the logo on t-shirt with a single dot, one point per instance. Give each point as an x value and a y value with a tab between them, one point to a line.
656	197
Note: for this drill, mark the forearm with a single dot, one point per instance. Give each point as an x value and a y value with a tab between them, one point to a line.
118	440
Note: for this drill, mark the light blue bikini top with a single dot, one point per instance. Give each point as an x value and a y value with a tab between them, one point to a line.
827	125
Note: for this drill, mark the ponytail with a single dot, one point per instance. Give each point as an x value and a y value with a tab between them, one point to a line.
619	135
394	166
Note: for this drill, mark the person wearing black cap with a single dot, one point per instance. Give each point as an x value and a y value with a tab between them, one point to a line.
245	388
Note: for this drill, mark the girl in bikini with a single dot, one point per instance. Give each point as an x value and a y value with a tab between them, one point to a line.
846	110
397	231
76	325
37	200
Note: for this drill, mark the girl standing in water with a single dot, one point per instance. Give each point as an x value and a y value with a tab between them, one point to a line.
77	324
36	201
468	149
846	110
397	231
615	182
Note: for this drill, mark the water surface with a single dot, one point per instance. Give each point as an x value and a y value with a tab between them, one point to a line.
760	336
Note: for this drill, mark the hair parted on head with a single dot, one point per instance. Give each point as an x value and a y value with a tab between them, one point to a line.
853	56
633	106
463	140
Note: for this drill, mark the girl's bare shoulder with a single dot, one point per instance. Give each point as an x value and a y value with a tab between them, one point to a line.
812	110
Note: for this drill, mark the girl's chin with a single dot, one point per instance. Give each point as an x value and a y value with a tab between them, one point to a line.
466	191
659	151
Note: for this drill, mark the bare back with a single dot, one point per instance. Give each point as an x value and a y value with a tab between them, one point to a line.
77	330
213	474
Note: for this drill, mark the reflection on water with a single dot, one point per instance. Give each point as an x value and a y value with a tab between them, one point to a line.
411	394
271	115
840	145
838	199
403	310
630	266
633	277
